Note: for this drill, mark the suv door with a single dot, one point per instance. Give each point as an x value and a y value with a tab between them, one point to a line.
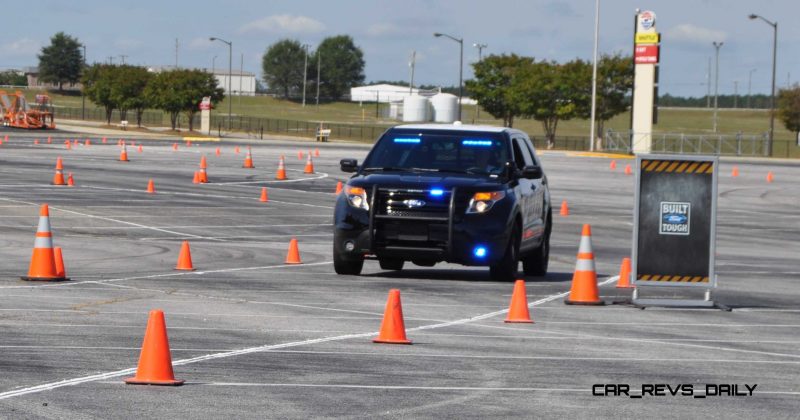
541	196
526	192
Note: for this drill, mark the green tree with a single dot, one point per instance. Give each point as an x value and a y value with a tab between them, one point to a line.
789	108
12	78
128	90
61	61
614	85
98	84
492	87
282	65
181	91
341	65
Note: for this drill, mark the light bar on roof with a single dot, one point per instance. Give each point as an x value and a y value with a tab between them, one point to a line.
477	142
407	140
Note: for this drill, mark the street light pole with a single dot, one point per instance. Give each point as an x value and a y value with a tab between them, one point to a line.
214	65
594	74
774	62
749	85
83	95
480	48
230	73
319	62
717	46
460	68
305	72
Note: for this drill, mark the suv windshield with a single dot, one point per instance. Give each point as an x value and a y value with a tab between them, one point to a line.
459	152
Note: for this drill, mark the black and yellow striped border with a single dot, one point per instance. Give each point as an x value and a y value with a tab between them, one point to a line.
672	279
678	166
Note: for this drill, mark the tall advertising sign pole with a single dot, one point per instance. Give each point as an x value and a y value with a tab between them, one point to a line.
645	59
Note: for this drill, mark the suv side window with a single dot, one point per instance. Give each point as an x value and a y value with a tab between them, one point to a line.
522	156
533	153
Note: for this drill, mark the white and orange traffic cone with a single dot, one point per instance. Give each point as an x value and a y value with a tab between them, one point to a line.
123	155
203	176
248	160
43	262
309	169
281	174
58	178
584	280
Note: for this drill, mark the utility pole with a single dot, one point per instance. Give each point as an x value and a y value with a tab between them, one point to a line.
110	60
708	84
412	64
717	46
749	85
319	60
774	62
305	73
230	72
736	94
83	95
176	53
122	58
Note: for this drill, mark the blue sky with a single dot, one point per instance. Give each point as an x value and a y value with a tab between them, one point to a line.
388	31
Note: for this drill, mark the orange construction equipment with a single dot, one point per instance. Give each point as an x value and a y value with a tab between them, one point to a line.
293	256
61	271
185	258
393	328
203	177
584	280
338	187
518	308
151	188
20	114
123	155
281	174
735	171
264	198
43	261
612	165
316	152
628	170
248	160
624	281
309	169
58	179
155	360
70	180
564	208
770	176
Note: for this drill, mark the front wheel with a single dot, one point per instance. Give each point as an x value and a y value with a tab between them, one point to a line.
506	268
535	264
347	267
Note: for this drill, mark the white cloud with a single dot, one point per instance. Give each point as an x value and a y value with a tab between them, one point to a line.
21	47
284	24
693	34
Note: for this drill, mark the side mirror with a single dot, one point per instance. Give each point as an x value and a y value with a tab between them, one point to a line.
348	165
532	172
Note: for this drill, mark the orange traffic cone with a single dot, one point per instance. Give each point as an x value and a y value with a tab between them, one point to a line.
49	140
58	178
76	142
87	142
196	179
264	197
584	280
151	188
217	152
105	140
35	141
70	180
612	165
628	170
203	177
188	142
140	148
236	150
309	169
393	329
43	261
155	360
175	146
770	176
316	152
68	145
564	208
123	155
248	160
59	260
293	256
338	187
299	155
624	281
735	171
281	174
185	258
518	309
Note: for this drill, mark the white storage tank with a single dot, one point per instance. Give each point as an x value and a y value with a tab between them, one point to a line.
416	109
445	107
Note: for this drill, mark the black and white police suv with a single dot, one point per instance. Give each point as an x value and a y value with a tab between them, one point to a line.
472	195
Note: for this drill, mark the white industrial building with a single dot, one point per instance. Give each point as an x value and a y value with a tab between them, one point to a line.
242	82
383	93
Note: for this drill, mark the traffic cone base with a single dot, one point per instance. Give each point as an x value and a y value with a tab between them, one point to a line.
155	360
518	308
393	329
185	258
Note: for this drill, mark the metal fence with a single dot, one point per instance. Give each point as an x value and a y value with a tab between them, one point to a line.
738	144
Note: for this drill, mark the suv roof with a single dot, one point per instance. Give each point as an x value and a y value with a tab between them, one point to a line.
458	127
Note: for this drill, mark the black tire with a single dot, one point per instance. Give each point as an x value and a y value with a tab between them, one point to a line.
506	268
535	264
345	266
391	264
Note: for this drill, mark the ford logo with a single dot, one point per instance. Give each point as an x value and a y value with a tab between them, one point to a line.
413	203
675	219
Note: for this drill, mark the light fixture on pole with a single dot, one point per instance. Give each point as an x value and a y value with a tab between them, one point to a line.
480	48
460	68
230	76
772	96
717	46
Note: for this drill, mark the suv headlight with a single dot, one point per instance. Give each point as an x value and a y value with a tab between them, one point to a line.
357	197
482	202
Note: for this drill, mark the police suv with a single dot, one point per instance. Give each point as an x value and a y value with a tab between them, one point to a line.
472	195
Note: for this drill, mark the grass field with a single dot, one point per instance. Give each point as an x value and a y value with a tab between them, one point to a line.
671	120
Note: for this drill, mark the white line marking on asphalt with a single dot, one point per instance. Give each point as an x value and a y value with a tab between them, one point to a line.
250	350
322	175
